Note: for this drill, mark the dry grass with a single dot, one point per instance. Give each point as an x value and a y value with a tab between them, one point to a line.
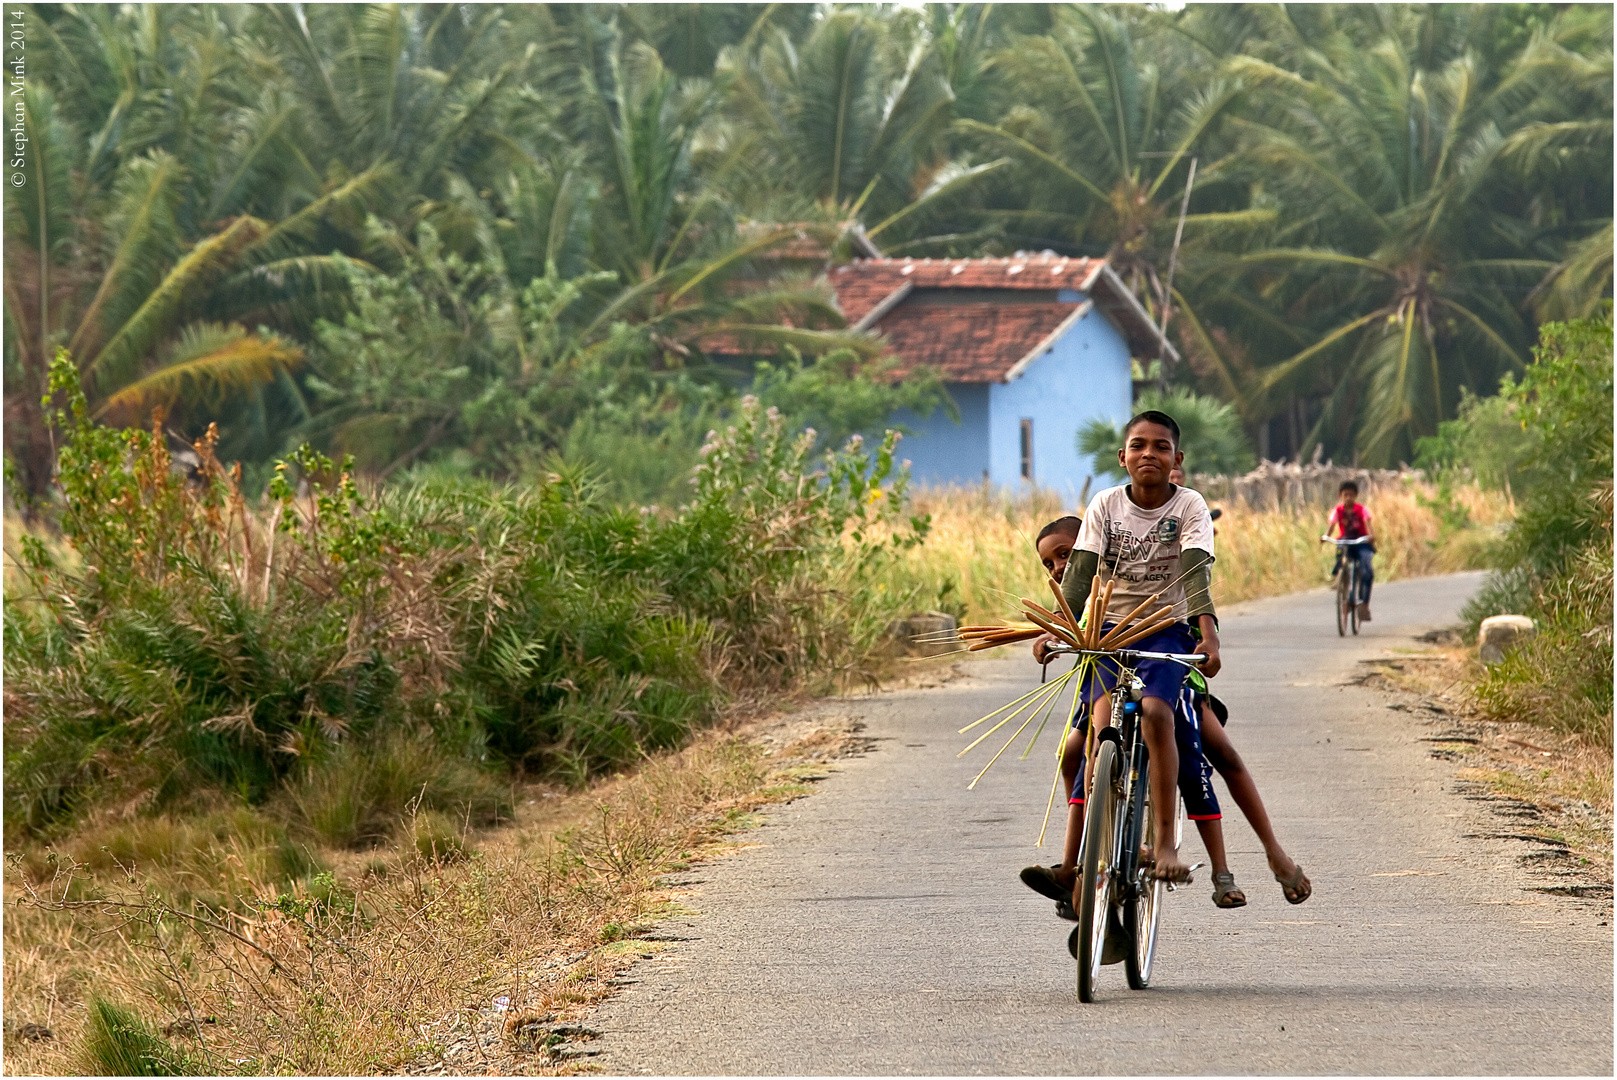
1566	777
379	962
980	556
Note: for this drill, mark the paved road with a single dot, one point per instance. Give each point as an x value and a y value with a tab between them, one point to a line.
879	927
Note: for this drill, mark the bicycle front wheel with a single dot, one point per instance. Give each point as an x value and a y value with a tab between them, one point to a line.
1100	856
1353	601
1344	600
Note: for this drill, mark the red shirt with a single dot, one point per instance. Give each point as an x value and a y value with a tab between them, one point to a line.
1354	520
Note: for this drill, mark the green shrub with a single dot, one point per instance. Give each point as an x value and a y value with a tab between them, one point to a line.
1486	441
1556	561
363	652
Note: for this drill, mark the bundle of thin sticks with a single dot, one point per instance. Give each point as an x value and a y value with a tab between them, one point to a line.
988	637
1087	634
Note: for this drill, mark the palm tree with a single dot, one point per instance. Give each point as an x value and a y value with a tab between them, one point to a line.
1104	138
197	166
1407	239
131	249
849	122
668	229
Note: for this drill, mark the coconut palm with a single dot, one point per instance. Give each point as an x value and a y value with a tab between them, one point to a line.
129	249
1104	132
1408	239
849	122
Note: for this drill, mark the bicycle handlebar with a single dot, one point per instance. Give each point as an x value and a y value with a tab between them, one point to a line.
1346	543
1187	659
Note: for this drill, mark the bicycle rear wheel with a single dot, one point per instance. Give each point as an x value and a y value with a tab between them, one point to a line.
1095	882
1344	600
1142	914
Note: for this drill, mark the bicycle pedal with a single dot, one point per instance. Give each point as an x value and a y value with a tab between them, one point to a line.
1172	885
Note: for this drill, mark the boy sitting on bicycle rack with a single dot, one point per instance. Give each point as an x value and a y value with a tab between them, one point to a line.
1199	732
1351	519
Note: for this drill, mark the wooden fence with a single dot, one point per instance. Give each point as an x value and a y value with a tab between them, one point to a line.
1277	483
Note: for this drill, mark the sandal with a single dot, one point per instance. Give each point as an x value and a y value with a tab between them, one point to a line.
1226	893
1297	887
1042	880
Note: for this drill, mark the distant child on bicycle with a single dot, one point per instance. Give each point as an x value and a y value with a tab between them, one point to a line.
1351	519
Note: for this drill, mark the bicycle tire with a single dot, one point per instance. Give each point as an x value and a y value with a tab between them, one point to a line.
1353	602
1142	912
1101	834
1344	597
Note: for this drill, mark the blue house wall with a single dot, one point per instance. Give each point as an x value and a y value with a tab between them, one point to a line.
1085	375
943	452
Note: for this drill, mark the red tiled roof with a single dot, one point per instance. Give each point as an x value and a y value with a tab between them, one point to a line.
863	284
984	334
969	342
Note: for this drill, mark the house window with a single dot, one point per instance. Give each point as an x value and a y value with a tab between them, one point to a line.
1027	448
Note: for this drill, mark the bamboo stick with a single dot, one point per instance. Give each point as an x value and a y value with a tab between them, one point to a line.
1061	602
1140	635
994	643
1009	741
1047	688
1066	730
1002	708
1118	633
1100	619
1070	637
1059	620
1089	608
1019	632
1125	620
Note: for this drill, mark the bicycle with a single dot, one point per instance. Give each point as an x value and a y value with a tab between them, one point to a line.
1347	587
1117	821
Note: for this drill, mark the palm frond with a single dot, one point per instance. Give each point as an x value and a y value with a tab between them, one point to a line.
207	362
112	365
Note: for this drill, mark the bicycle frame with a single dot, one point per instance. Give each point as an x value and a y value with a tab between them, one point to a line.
1127	806
1129	691
1347	588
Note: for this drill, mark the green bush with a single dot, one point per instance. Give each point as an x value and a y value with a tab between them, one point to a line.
358	653
1556	561
1210	434
1486	441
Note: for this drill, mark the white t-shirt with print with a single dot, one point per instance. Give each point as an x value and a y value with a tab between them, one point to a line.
1140	549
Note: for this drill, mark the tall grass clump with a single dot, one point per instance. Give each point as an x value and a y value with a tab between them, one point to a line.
1555	563
347	656
119	1043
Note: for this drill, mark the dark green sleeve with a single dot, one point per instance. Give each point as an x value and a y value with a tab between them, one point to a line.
1198	580
1081	569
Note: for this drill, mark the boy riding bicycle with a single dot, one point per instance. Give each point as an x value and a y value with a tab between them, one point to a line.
1150	537
1351	519
1203	746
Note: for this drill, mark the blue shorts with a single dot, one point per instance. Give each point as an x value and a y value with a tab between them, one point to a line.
1163	679
1195	773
